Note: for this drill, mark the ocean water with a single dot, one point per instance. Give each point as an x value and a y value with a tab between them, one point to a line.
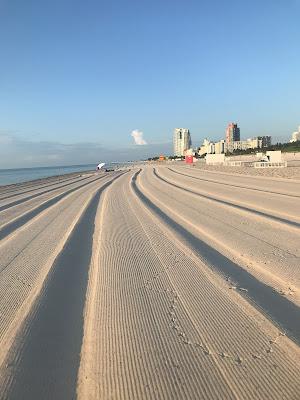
9	176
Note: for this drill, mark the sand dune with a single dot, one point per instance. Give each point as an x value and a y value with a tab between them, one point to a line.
159	283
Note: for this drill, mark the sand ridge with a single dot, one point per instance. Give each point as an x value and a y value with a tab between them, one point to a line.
131	335
274	247
157	316
27	257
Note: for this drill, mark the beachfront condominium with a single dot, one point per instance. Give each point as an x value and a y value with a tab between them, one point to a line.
181	141
232	133
258	142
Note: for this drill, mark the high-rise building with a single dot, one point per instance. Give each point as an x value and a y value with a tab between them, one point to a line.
232	133
266	141
181	141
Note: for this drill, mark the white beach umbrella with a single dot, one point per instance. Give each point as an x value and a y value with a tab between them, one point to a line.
99	166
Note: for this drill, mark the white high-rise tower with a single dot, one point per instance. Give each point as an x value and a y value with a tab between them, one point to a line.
181	141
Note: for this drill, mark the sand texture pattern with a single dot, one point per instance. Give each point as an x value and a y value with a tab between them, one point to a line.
160	282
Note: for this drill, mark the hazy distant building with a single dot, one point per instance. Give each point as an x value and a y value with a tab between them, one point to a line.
295	136
181	141
266	141
259	142
207	147
232	133
220	147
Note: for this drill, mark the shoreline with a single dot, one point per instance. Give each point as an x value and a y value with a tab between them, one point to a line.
46	178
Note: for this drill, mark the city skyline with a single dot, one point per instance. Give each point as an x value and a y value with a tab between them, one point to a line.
82	81
48	153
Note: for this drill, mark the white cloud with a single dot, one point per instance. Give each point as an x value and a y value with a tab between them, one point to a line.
138	137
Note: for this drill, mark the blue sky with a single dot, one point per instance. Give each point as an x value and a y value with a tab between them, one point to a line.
83	75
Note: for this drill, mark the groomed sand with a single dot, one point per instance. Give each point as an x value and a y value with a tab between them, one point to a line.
286	173
165	282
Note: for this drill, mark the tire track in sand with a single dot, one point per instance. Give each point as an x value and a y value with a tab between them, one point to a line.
40	193
271	255
16	187
262	350
44	360
281	311
21	190
237	206
129	350
233	185
28	216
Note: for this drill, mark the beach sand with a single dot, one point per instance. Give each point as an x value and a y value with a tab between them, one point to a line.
290	172
160	282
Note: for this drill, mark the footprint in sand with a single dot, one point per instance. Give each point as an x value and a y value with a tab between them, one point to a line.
239	360
225	355
256	356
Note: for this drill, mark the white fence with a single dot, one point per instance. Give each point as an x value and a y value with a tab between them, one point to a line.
233	163
238	163
279	164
